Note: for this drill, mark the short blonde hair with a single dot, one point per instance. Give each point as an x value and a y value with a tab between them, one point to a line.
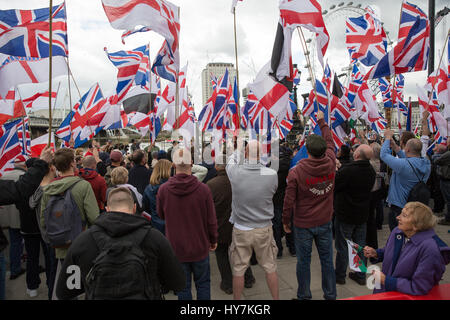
160	171
79	151
119	175
422	216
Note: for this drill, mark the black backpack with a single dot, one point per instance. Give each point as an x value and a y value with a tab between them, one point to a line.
420	192
63	218
122	270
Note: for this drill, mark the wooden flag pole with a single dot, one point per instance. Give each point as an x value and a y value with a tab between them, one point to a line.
150	95
308	61
50	74
238	105
177	91
439	65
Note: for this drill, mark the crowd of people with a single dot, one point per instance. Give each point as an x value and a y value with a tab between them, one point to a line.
139	224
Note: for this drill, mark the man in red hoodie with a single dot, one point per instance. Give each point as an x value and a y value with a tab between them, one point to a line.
97	182
187	206
309	197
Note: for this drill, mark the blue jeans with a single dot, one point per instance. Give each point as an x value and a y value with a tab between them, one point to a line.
395	211
354	232
202	279
2	276
445	189
15	250
323	237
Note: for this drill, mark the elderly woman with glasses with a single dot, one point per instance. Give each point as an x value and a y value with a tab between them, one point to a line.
414	257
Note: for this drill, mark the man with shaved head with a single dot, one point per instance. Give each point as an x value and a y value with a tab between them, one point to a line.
98	183
353	184
253	187
408	169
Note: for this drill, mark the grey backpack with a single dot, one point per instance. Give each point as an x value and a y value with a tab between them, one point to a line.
63	219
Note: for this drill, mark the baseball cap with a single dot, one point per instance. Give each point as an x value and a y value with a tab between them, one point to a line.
116	156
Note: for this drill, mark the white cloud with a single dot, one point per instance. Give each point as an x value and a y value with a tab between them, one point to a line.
207	36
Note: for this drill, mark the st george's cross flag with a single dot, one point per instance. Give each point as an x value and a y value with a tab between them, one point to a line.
39	100
160	16
26	33
11	107
306	14
19	70
38	144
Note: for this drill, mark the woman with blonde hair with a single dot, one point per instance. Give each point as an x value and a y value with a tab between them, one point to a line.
160	175
414	257
119	178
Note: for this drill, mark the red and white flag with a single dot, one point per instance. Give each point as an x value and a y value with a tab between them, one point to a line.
160	16
271	94
10	107
18	70
39	101
307	14
38	144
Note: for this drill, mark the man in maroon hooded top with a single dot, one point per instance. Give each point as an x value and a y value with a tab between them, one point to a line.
187	206
97	182
309	198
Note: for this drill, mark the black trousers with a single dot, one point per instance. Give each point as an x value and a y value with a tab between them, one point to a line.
223	263
371	234
33	244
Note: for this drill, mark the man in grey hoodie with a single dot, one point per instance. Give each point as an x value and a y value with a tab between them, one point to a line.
253	186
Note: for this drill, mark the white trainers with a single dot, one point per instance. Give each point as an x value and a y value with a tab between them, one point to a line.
32	293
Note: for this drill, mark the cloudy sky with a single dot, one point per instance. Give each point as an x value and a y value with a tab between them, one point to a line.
207	36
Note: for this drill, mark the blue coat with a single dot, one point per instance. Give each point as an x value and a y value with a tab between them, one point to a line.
403	177
149	205
415	268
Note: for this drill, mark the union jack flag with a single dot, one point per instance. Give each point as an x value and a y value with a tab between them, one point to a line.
321	102
9	145
356	81
411	52
379	125
25	33
82	123
327	76
385	88
164	64
397	94
23	132
285	125
213	113
366	39
131	69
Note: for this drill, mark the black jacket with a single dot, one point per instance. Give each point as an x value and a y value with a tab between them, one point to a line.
84	250
283	171
139	177
353	184
28	219
212	172
13	192
220	187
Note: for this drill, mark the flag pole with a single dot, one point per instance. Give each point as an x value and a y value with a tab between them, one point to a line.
308	61
68	82
177	90
50	73
238	106
150	93
439	65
